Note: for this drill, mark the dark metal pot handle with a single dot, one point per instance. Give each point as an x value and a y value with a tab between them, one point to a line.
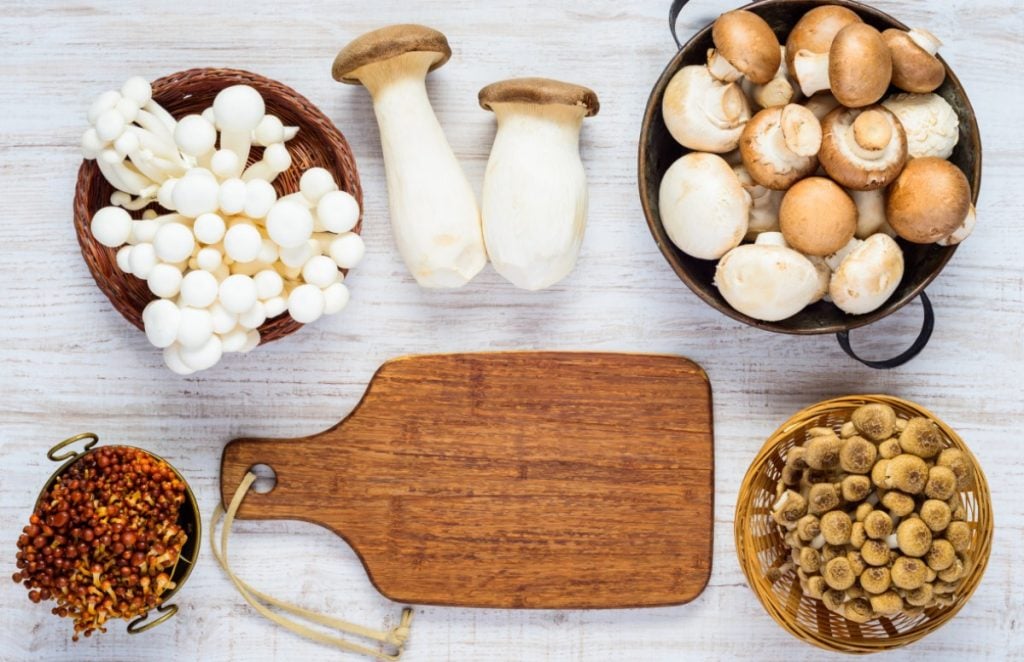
922	339
673	16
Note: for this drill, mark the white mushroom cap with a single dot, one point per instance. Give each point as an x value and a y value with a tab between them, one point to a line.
824	277
931	124
779	145
766	282
704	208
961	232
702	113
868	276
833	261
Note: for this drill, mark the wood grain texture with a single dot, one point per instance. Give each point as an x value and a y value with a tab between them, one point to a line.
70	363
546	480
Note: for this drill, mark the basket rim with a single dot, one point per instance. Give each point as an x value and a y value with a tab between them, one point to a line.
762	588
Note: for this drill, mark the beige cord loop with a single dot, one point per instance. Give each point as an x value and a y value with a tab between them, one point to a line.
395	637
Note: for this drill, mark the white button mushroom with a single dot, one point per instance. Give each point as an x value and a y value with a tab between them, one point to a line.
306	304
174	242
195	136
209	228
172	359
237	293
764	204
702	113
321	271
289	224
196	193
337	211
347	250
765	281
204	356
111	226
142	260
231	197
260	196
164	280
931	124
243	242
161	319
199	289
336	298
254	317
534	202
195	328
238	110
868	276
870	212
433	208
779	145
269	283
704	208
315	183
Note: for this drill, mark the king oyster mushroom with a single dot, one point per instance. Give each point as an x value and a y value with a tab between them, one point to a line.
929	201
702	113
931	124
863	149
868	276
745	46
704	208
779	145
765	281
914	65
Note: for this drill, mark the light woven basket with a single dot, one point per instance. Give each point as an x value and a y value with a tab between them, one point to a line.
761	549
318	143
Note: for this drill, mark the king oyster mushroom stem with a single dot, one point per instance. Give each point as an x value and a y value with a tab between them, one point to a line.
534	203
433	208
702	113
704	207
767	281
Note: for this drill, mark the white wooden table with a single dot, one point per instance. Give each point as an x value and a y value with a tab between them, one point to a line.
69	363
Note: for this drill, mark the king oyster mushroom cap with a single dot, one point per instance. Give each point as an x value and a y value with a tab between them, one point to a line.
962	232
914	65
704	208
765	281
817	217
868	276
870	212
534	201
863	149
929	201
815	31
764	204
745	45
433	207
779	145
777	92
702	113
931	124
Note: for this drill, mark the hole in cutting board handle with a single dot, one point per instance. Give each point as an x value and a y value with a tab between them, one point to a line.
266	479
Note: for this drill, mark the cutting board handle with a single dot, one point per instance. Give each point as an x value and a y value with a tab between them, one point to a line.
240	456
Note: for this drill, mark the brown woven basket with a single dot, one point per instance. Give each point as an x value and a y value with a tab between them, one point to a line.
761	549
318	143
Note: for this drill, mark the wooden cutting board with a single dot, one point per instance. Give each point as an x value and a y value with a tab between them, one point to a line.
518	479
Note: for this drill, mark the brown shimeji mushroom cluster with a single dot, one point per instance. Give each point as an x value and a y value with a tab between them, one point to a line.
809	158
103	540
873	515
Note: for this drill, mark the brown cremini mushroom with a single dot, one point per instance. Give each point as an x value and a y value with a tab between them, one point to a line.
859	66
745	45
779	145
817	217
863	149
815	31
928	201
914	65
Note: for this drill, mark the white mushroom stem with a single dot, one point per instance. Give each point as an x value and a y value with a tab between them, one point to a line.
721	69
926	40
534	201
164	117
776	92
276	159
121	175
870	211
811	71
145	198
433	208
764	204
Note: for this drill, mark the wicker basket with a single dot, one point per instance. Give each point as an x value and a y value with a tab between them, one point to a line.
318	143
761	549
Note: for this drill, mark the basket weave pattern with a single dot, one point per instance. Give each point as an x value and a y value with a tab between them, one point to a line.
318	143
761	549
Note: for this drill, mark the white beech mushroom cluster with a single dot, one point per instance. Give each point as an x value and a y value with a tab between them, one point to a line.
226	254
800	140
873	515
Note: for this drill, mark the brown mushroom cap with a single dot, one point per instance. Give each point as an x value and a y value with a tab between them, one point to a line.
540	91
816	29
779	146
748	43
859	66
386	43
817	217
928	201
913	68
844	131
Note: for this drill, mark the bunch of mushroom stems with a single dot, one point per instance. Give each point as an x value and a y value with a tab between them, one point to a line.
799	141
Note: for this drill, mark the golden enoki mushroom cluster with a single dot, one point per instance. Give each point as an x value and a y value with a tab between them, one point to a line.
103	540
873	515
